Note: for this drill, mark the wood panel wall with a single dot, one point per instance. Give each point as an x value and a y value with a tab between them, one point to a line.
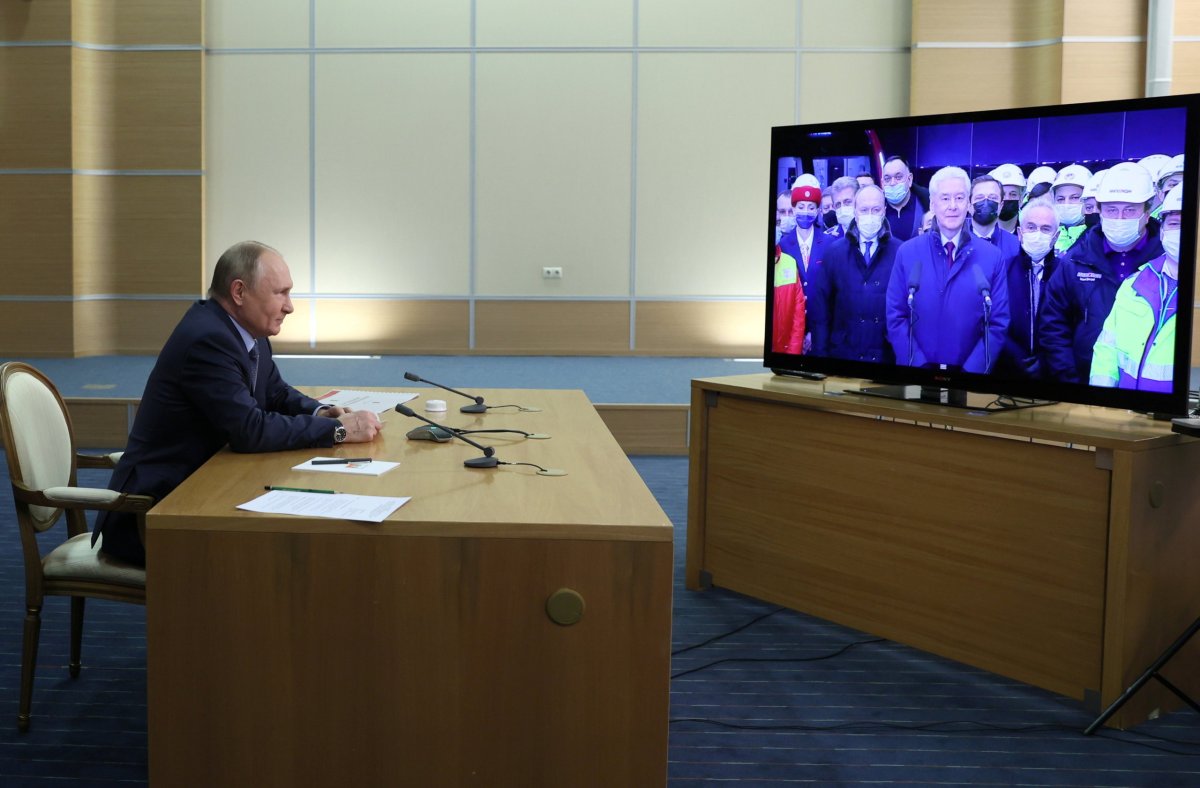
101	173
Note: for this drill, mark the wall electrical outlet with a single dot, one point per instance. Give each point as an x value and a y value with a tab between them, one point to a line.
552	272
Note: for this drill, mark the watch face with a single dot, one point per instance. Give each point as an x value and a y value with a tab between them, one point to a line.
339	434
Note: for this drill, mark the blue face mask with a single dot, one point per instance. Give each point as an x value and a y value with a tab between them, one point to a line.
895	193
805	220
986	211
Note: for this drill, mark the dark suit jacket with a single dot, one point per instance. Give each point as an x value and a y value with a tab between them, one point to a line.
197	400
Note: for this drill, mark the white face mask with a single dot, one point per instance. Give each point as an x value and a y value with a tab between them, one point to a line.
869	226
1121	232
787	224
1036	245
845	215
1069	214
1170	242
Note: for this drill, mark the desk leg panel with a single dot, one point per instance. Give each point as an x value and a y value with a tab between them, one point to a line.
983	549
317	659
1154	576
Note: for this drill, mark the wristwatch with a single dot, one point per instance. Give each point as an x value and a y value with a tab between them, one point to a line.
339	434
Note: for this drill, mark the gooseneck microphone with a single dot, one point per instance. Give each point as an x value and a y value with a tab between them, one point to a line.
914	284
985	291
478	407
488	460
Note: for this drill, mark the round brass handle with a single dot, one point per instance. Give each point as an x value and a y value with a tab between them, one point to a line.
565	607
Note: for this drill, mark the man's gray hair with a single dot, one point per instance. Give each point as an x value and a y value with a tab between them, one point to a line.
945	174
239	261
842	183
1037	202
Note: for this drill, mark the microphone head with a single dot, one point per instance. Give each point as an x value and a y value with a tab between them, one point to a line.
404	410
488	451
412	376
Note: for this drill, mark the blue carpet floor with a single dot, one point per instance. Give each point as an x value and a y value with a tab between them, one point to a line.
762	697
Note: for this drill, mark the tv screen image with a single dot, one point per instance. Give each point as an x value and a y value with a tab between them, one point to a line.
1040	253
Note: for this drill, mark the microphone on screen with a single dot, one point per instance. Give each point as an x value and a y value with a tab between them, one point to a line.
488	460
984	286
478	407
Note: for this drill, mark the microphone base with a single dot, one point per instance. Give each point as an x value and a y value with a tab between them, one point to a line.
482	462
478	407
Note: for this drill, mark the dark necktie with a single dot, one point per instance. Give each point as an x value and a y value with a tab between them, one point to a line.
253	367
950	252
870	246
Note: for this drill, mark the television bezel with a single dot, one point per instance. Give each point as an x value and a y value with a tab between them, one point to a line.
787	141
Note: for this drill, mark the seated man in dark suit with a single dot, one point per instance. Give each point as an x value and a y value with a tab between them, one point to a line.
215	383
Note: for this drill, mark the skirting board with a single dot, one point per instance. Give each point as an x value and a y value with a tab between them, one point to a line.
104	422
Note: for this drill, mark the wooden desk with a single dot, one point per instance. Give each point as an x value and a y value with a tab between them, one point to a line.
1059	546
287	651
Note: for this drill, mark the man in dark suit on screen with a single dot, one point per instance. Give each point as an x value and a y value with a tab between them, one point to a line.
215	383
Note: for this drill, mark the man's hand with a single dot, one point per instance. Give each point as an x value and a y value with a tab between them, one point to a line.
361	426
332	411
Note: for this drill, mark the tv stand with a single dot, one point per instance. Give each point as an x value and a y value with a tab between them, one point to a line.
1053	545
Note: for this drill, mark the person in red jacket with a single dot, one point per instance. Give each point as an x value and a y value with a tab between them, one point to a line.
787	317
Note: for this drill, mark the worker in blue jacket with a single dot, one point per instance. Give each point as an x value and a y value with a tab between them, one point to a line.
947	300
846	303
1080	294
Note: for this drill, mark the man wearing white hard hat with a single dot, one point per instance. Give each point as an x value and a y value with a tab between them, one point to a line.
1153	163
1068	204
1169	176
1039	181
1012	186
1136	346
1091	209
1080	294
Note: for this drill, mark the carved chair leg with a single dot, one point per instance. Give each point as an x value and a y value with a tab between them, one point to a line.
33	627
77	604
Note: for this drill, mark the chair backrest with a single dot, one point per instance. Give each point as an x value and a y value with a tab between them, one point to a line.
37	435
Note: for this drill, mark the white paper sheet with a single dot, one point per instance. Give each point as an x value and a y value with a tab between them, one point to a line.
371	468
377	401
340	506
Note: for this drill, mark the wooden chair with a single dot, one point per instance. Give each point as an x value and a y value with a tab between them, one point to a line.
42	462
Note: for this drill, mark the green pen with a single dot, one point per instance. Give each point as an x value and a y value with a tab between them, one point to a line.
300	489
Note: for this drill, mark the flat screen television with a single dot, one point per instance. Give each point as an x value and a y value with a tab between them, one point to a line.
1105	319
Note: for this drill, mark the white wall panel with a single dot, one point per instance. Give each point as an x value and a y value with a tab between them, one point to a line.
392	183
704	125
244	24
855	23
393	23
717	23
523	23
257	154
849	86
553	173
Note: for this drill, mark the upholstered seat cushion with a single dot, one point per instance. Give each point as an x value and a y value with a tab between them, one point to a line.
76	559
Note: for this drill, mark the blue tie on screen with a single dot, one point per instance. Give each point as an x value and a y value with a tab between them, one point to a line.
253	367
870	246
950	251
